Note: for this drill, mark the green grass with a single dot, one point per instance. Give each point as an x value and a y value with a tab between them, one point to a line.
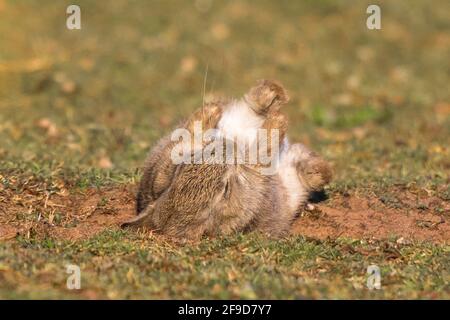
375	103
127	265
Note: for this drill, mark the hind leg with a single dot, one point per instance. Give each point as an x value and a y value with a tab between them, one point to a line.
266	97
276	125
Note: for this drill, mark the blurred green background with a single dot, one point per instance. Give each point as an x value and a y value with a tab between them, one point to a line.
374	102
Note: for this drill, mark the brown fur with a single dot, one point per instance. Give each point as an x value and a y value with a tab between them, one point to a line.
192	200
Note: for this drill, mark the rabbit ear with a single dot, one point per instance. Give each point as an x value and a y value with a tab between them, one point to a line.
141	220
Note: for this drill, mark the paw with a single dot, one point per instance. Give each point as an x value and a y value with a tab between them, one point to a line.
314	173
208	116
212	113
266	96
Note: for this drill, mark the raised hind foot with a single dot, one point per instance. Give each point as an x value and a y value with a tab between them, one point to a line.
267	96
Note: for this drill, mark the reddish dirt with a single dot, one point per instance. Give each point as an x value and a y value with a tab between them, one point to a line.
82	215
362	218
93	216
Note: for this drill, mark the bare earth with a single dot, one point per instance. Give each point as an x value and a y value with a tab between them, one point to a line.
84	215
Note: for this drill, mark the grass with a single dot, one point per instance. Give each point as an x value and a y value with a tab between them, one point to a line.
80	109
121	265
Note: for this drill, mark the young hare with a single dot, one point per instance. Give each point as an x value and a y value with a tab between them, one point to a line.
189	201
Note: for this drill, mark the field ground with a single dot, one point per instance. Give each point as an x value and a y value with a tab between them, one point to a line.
80	109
